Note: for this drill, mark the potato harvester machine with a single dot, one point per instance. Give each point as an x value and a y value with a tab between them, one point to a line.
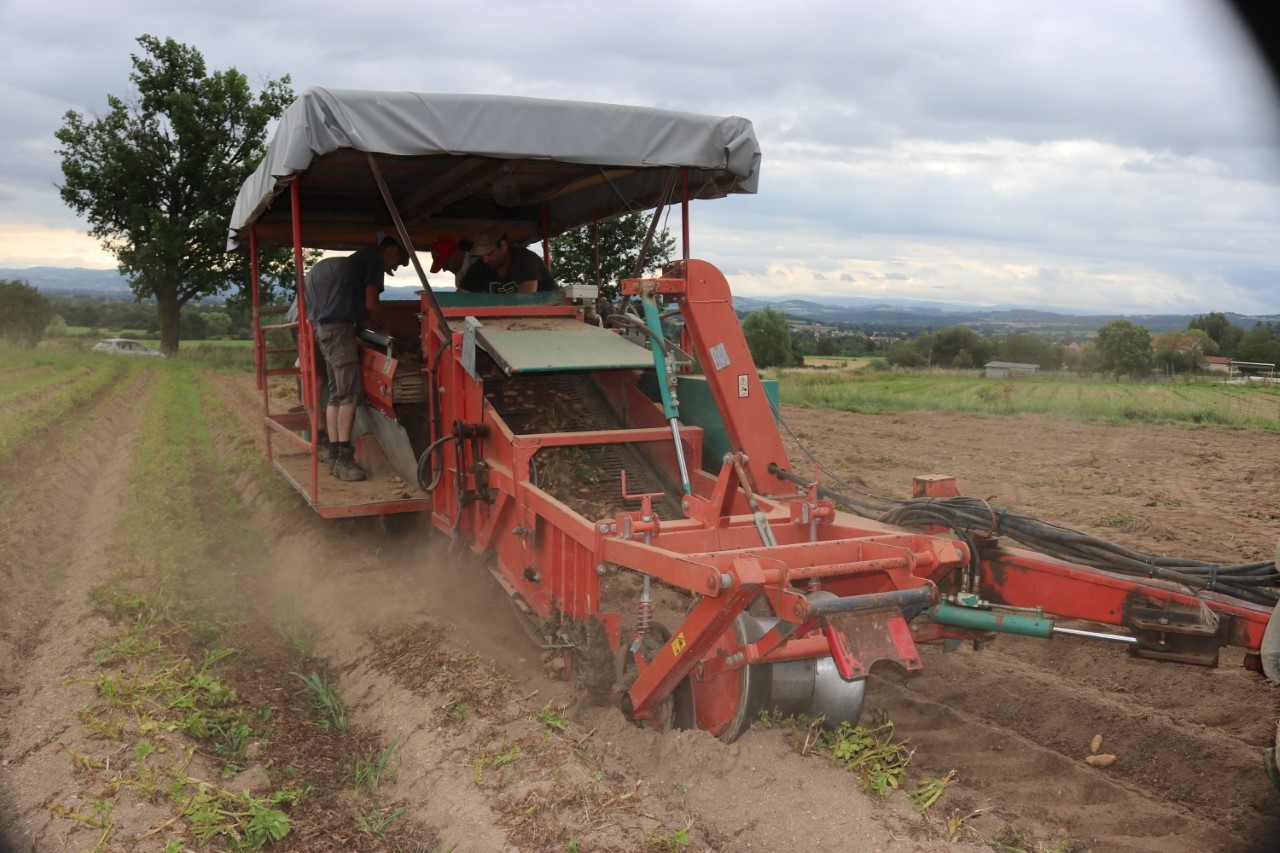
643	514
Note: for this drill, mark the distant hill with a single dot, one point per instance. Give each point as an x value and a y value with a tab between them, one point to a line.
919	315
71	280
842	310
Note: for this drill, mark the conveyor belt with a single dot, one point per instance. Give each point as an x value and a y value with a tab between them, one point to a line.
585	478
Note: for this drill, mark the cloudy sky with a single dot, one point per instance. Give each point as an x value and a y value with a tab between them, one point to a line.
1087	155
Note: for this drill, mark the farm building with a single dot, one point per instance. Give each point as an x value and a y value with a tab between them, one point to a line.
1253	368
1217	363
1010	370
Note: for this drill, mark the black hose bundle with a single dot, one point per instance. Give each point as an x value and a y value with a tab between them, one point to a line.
1253	582
1248	581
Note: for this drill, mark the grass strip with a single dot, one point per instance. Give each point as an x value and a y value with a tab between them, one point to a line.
162	690
1192	402
20	426
190	692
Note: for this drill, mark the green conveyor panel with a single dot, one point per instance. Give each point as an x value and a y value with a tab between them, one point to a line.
549	344
698	408
464	299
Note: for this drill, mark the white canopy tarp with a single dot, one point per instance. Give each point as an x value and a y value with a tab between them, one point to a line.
412	124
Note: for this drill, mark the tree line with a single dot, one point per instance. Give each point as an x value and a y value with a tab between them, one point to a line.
27	316
1119	348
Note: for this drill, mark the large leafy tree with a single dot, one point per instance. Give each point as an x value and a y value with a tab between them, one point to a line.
156	176
1124	348
573	253
769	338
24	312
1218	326
960	346
1261	344
1030	349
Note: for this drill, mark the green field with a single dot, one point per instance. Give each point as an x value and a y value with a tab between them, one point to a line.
1060	396
83	333
63	368
39	387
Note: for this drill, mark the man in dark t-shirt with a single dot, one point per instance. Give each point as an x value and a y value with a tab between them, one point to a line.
503	268
347	293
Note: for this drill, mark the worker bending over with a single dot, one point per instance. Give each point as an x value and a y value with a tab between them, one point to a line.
348	294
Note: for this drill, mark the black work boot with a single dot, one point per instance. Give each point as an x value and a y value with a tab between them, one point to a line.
345	466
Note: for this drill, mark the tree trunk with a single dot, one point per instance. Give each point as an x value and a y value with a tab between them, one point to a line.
168	306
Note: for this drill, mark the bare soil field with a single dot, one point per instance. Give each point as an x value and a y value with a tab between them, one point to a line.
495	752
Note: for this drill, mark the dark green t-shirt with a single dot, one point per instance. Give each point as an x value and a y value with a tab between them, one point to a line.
524	266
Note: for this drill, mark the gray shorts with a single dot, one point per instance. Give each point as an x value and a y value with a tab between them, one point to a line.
337	342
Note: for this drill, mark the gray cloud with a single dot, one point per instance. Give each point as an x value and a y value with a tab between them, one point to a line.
1120	153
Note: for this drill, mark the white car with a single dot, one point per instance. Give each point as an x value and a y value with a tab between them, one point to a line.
124	346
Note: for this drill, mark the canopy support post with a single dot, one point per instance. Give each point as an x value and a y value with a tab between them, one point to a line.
684	210
443	324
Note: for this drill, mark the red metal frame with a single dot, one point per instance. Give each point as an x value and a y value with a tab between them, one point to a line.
551	559
300	429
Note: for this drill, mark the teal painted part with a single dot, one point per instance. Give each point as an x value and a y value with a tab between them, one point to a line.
466	299
988	620
698	408
654	322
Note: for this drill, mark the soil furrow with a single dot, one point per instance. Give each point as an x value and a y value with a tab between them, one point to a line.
58	537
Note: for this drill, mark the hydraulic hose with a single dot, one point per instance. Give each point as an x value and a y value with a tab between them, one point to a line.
1247	581
425	459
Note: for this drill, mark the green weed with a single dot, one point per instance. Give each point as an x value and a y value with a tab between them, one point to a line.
551	718
871	753
372	770
506	756
376	822
300	636
248	822
325	703
667	841
501	757
1011	839
927	792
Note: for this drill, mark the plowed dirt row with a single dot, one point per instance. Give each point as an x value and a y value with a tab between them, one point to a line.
418	632
428	655
58	529
1016	719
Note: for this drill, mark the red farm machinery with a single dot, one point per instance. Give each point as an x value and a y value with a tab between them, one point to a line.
626	473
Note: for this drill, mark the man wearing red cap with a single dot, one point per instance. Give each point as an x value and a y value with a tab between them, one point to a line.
448	253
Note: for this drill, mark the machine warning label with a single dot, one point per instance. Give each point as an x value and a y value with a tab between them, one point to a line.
719	357
678	643
744	390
